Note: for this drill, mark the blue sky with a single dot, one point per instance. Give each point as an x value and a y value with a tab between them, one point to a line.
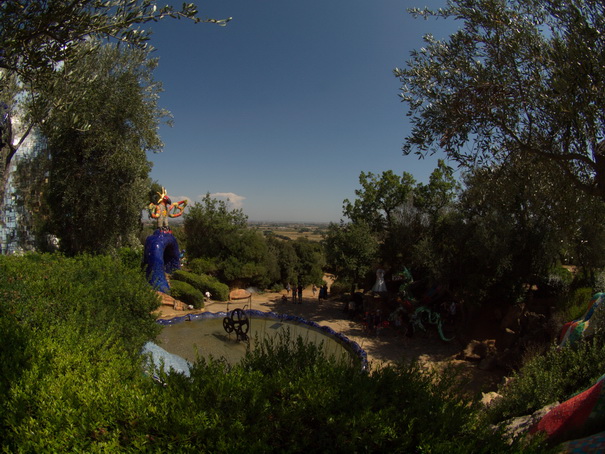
284	107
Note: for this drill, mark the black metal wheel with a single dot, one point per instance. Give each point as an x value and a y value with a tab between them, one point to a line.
228	325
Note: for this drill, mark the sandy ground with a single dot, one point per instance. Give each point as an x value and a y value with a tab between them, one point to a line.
388	347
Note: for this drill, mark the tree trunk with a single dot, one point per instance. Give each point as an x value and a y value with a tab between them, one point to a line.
5	160
599	157
7	152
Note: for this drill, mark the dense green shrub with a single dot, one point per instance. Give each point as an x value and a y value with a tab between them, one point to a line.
575	304
186	293
203	265
71	332
71	381
94	293
131	257
557	282
80	392
554	376
204	283
289	399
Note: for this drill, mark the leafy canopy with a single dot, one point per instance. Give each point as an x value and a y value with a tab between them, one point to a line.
518	76
209	225
394	212
351	250
99	175
38	34
378	198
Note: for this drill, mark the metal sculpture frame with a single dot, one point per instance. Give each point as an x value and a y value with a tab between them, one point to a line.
237	322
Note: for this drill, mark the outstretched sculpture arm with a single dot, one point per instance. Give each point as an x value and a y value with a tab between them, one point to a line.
154	210
176	209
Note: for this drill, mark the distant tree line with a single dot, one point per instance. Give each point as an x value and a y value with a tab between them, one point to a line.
515	98
502	230
219	242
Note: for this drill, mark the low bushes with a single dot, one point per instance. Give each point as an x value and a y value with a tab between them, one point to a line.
71	381
554	376
575	304
203	283
131	257
91	293
186	293
71	331
288	398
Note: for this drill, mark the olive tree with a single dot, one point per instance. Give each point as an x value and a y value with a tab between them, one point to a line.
37	36
208	226
99	173
378	199
518	76
351	251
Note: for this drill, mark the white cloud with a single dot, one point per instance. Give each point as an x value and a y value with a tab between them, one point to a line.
235	201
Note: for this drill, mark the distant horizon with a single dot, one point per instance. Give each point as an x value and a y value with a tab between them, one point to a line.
180	220
250	221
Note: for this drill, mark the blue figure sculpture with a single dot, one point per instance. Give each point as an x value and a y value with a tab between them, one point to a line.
161	249
161	256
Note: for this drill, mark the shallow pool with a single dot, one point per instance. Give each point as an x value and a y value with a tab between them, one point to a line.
204	335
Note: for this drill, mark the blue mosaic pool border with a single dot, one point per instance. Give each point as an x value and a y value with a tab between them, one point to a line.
341	338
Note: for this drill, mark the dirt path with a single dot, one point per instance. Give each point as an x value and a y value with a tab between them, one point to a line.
388	347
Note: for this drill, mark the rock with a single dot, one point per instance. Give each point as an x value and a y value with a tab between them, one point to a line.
533	321
489	398
520	425
478	350
239	294
170	301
